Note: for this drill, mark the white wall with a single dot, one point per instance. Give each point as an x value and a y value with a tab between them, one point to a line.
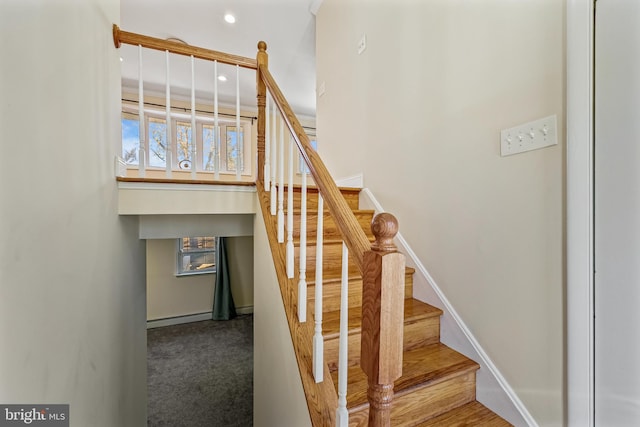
278	396
617	214
171	296
72	281
420	114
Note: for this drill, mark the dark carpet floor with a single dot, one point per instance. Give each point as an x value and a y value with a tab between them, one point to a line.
201	374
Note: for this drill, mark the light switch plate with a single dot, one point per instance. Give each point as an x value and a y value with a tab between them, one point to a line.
529	136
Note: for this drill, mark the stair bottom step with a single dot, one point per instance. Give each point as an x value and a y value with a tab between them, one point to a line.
473	414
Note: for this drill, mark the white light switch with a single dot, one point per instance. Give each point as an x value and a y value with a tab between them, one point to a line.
529	136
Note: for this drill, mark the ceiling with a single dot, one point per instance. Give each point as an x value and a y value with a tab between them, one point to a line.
287	26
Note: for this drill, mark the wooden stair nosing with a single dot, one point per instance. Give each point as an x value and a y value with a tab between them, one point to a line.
414	311
472	414
421	367
335	275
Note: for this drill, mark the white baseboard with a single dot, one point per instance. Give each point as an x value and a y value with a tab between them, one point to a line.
199	317
353	181
492	388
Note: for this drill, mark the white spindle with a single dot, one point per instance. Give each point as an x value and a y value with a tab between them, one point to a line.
216	128
318	340
239	144
194	163
281	186
274	145
169	149
290	248
267	147
142	152
342	415
302	281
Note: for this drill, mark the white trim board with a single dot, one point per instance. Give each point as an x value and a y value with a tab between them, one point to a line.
178	320
492	389
580	302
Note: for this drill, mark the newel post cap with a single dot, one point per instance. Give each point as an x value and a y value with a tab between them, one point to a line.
384	227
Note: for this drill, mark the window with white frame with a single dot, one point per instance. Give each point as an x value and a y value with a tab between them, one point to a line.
196	255
182	140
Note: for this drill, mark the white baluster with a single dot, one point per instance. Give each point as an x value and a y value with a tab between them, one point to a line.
281	186
267	146
142	151
239	143
302	281
290	248
216	127
342	415
169	149
194	163
274	145
318	339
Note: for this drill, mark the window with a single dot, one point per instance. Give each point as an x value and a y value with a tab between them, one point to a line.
182	146
302	167
196	255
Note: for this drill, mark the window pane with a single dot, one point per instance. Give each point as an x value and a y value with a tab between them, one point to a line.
198	243
232	148
157	142
303	166
208	147
183	144
196	255
130	139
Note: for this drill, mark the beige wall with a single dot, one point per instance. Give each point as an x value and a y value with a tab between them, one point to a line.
72	304
420	114
278	396
171	296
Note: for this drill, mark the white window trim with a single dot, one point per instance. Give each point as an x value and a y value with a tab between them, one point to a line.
179	260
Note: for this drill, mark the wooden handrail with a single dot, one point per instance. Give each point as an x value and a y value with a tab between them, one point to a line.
352	233
126	37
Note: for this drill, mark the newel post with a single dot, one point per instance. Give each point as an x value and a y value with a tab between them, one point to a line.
382	318
262	58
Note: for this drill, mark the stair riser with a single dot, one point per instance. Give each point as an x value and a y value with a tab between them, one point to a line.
330	229
415	334
352	199
423	403
331	261
331	293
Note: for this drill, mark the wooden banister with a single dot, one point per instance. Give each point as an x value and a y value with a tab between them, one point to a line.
352	233
126	37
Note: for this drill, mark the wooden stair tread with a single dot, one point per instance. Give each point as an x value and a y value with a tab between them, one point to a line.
335	274
414	310
298	211
473	414
421	367
312	241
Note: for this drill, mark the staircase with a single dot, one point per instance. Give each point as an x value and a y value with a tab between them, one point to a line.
437	386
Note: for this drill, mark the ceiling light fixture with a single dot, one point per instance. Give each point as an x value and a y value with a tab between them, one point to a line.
222	78
230	18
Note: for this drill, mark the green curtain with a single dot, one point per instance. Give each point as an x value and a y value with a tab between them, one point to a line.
223	307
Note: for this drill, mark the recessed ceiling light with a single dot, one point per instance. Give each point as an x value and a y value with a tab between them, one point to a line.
222	78
121	59
230	18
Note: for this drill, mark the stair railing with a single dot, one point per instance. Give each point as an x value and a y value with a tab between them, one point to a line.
381	266
192	163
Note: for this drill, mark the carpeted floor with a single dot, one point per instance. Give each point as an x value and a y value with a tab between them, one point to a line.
201	374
